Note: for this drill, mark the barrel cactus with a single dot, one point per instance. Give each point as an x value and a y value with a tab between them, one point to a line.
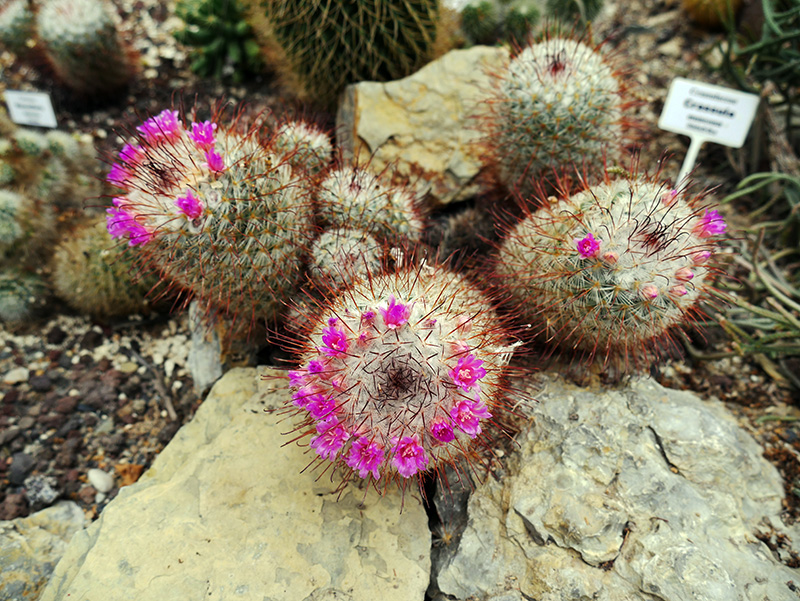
611	270
27	228
16	25
401	374
83	45
341	256
559	103
22	294
218	211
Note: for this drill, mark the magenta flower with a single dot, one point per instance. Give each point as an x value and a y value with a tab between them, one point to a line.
711	224
118	175
301	397
467	415
588	247
120	222
214	160
409	457
163	125
330	438
396	314
320	406
442	431
130	154
366	457
203	134
335	341
315	367
368	315
296	377
189	205
467	372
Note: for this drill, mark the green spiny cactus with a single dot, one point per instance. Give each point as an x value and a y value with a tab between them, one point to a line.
16	25
21	294
559	103
27	228
401	374
306	146
219	212
224	40
331	43
340	256
30	143
571	11
97	277
610	270
84	47
488	22
354	197
480	22
7	173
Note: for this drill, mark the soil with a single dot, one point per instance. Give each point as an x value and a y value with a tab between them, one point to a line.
86	394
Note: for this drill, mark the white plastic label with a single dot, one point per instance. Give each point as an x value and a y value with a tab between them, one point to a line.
30	108
707	113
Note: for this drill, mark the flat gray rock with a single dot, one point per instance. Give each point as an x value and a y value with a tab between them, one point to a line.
226	512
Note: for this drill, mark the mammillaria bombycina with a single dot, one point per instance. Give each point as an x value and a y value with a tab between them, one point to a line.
400	374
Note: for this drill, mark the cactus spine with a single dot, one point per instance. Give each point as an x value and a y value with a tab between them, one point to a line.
399	374
611	269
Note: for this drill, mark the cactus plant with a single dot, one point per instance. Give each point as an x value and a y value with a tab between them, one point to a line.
16	24
307	146
353	197
400	374
330	43
27	228
97	277
21	294
225	44
559	102
341	256
570	11
610	270
487	22
218	211
83	45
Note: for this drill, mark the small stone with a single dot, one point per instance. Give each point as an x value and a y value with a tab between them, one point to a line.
65	405
21	465
56	335
40	383
87	494
18	375
26	422
9	435
128	367
41	491
102	481
13	506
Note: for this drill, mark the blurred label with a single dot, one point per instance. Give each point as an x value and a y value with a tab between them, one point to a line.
30	108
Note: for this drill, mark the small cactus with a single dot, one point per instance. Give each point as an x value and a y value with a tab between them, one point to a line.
401	374
83	45
341	256
559	102
97	277
21	295
307	146
571	11
27	228
612	269
220	212
225	44
488	22
353	197
17	25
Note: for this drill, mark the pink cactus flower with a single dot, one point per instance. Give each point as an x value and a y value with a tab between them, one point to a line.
366	457
331	436
118	175
302	396
320	406
396	314
203	134
131	154
335	341
189	205
701	256
315	367
296	377
409	457
120	222
163	125
214	160
467	415
467	372
588	247
442	431
368	315
684	274
649	291
711	224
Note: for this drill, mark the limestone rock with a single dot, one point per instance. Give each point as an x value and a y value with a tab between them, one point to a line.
30	547
640	493
225	513
425	123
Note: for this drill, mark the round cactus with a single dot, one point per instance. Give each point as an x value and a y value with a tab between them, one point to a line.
21	294
27	227
399	374
219	212
16	24
570	11
480	22
83	45
30	143
611	269
354	197
559	102
97	277
307	146
341	256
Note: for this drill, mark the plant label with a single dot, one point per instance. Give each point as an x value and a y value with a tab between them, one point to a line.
707	113
30	108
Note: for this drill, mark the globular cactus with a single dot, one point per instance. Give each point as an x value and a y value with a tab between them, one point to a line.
711	13
559	102
225	44
488	22
22	293
307	146
480	22
83	45
572	11
354	197
612	269
401	374
331	43
218	211
17	25
341	256
27	228
96	276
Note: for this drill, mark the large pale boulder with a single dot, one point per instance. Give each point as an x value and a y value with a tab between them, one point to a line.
641	493
426	123
227	512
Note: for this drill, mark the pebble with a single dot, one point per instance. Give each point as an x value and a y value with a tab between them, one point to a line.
87	494
26	423
18	375
21	464
40	383
102	481
128	367
41	491
65	405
